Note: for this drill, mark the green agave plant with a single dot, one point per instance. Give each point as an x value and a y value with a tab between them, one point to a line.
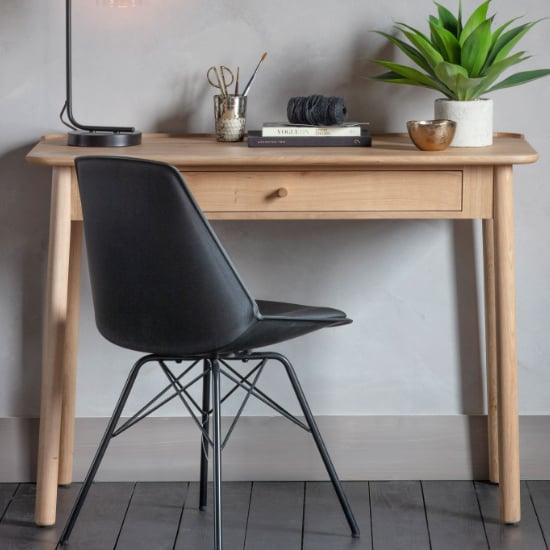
462	61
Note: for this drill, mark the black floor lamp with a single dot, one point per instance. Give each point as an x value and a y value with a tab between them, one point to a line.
93	136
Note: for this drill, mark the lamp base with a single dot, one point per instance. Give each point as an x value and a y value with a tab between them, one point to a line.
103	139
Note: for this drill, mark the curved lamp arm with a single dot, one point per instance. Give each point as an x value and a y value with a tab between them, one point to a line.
125	135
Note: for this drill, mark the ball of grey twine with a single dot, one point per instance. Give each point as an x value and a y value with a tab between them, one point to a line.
316	110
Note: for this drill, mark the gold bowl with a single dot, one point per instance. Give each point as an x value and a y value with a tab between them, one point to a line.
431	135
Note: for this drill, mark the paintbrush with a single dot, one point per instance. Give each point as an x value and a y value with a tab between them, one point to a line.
247	87
237	82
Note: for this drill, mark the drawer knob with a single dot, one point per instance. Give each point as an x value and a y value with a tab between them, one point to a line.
282	192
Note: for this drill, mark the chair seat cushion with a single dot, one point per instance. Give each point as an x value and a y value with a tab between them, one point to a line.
281	321
297	311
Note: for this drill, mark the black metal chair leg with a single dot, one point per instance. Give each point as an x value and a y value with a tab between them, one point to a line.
205	420
101	450
217	456
319	442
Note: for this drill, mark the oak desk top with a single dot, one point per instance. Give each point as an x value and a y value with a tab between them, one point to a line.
203	152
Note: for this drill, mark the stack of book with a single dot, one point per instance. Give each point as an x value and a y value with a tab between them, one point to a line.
282	134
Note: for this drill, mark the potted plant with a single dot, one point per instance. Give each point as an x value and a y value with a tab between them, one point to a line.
463	61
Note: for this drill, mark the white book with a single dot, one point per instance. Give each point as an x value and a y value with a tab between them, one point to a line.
283	129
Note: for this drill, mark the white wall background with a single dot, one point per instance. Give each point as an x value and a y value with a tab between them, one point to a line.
416	344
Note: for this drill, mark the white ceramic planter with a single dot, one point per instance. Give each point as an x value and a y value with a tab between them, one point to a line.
474	120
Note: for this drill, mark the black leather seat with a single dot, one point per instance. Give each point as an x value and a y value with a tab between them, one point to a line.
163	284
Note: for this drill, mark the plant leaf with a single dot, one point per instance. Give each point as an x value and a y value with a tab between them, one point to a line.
466	87
508	40
495	71
422	43
446	42
448	73
413	76
494	48
478	16
457	80
392	78
520	78
408	72
476	48
408	50
447	19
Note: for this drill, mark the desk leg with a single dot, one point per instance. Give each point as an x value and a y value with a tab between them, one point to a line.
508	422
491	347
66	447
53	344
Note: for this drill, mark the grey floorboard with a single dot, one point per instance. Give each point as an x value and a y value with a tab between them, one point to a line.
153	517
398	516
7	491
527	535
102	516
325	526
276	516
17	529
540	495
197	529
454	517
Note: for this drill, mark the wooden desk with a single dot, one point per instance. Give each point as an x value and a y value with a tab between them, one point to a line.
390	180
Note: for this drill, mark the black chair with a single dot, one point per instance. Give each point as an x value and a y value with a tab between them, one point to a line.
162	284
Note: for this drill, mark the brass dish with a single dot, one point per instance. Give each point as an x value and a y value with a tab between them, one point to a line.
431	135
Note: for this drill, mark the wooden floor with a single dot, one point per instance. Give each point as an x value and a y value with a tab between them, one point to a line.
404	515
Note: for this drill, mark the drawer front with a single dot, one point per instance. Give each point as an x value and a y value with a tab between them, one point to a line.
329	192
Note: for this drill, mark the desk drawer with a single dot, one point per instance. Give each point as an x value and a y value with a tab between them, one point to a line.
327	192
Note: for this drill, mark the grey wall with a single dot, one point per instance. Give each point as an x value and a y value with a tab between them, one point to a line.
416	345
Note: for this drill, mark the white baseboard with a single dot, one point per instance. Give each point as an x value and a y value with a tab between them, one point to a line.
270	448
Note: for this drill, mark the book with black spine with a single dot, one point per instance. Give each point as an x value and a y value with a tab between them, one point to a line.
255	139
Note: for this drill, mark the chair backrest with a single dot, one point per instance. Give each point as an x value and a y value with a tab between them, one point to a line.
161	281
